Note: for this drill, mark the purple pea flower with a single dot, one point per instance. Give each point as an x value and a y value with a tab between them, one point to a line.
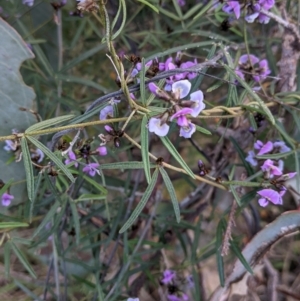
106	112
251	68
38	155
271	169
251	158
181	117
138	66
181	88
270	195
155	126
263	71
181	2
232	6
168	276
102	150
286	177
197	98
187	131
265	148
267	4
6	199
91	169
281	146
178	297
10	146
72	158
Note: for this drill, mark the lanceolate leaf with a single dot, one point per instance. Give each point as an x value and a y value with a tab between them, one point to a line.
23	259
145	148
142	203
52	157
47	123
171	148
9	225
125	165
28	168
172	193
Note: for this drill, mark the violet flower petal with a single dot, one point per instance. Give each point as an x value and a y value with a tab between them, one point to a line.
187	132
155	126
181	87
197	98
266	148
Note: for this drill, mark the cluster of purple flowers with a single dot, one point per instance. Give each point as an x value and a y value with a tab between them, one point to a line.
251	68
179	110
273	170
252	7
169	64
90	168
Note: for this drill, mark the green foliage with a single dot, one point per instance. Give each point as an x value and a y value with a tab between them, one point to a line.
148	208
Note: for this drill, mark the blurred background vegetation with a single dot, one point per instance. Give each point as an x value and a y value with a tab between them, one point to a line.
72	249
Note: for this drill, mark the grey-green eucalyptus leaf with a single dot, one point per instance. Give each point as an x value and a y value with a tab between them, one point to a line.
14	95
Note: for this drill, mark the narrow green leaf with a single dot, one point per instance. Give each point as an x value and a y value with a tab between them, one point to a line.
46	219
275	156
198	81
28	168
220	263
90	113
36	190
37	49
116	17
252	93
81	81
149	4
6	225
235	195
124	15
76	221
7	253
82	57
279	126
52	157
89	196
192	11
142	203
125	165
168	144
202	130
92	182
203	11
240	256
211	35
47	123
179	48
5	187
145	148
297	168
242	156
27	291
23	260
142	83
172	192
